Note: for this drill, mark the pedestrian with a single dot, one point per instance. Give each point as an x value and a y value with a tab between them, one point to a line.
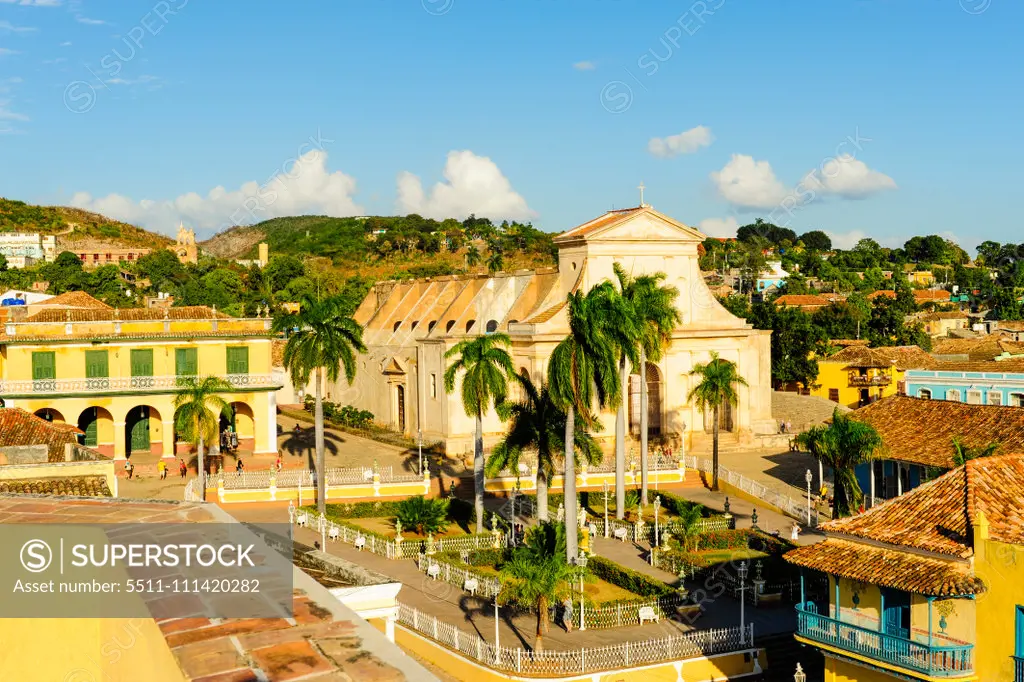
567	615
789	426
129	468
279	464
794	533
782	426
161	467
182	469
238	466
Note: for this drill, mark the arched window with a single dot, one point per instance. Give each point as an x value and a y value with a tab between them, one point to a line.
953	395
469	325
430	326
492	326
396	326
513	321
448	327
924	393
414	324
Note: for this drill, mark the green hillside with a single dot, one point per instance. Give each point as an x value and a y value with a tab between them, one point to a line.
17	216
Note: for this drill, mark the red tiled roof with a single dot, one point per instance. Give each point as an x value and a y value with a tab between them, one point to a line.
843	343
945	315
984	348
888	568
18	427
77	486
921	295
196	312
74	299
922	431
900	357
801	300
609	218
887	293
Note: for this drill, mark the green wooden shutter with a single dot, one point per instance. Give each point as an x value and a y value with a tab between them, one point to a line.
238	360
186	362
44	365
142	362
96	364
92	426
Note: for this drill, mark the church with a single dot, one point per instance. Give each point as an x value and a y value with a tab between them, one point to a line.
410	324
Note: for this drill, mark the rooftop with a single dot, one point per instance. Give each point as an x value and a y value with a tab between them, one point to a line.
197	312
77	486
983	348
74	299
900	357
19	428
922	431
801	300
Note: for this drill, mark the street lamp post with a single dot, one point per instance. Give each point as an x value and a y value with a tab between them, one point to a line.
808	477
657	508
799	675
742	570
497	646
582	563
606	509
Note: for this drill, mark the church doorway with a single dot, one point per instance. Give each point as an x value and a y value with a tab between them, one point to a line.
653	377
400	398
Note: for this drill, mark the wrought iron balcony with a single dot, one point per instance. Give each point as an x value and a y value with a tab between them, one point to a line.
937	660
98	385
1018	669
876	380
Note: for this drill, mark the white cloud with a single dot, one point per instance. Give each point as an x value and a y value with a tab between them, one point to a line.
686	142
847	177
719	227
7	115
473	184
747	183
301	186
90	22
584	66
145	79
66	43
33	3
8	26
7	50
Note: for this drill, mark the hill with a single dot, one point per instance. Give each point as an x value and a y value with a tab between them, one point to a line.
74	226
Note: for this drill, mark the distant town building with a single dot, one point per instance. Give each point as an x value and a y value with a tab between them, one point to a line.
857	376
808	302
95	258
22	249
185	245
775	277
263	257
974	383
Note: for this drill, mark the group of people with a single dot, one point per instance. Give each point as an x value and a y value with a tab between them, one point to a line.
785	426
161	467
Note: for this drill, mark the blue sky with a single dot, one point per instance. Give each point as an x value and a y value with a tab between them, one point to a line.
549	110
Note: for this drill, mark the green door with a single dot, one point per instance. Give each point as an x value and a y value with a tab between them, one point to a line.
91	428
139	424
186	362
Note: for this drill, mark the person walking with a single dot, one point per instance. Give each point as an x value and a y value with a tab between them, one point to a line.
129	468
567	615
238	466
182	469
161	468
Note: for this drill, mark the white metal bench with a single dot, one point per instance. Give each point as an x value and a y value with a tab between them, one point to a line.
334	533
434	570
360	542
471	585
648	613
302	519
620	533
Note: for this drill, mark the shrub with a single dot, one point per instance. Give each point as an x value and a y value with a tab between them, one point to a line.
346	415
423	515
360	510
628	579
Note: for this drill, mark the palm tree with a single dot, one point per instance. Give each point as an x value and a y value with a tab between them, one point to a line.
495	261
537	424
656	315
197	409
485	367
688	525
842	445
583	364
472	256
962	453
538	574
716	388
322	339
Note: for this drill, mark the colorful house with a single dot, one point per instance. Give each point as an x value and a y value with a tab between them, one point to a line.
917	438
975	383
775	277
941	323
926	587
114	373
857	376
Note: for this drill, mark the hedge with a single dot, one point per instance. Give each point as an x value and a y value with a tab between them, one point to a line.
628	579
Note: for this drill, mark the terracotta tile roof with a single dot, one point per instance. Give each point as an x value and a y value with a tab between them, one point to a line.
983	348
74	299
18	427
801	300
231	334
1013	366
197	312
887	293
609	218
922	295
888	568
323	641
843	343
900	357
921	431
80	486
945	315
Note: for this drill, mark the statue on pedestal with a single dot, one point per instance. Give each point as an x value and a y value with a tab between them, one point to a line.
561	512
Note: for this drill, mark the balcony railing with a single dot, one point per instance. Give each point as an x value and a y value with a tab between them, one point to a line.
1018	669
935	660
119	384
877	380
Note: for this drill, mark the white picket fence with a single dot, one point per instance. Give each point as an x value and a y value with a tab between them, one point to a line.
293	478
795	507
461	577
580	661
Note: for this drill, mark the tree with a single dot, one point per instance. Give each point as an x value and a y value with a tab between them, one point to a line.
842	445
795	341
64	273
163	270
281	270
689	524
485	367
322	339
584	365
538	575
472	256
655	315
717	387
963	453
495	261
537	424
197	409
816	240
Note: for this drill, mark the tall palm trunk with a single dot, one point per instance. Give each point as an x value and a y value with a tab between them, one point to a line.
318	433
569	486
542	623
643	426
714	451
478	473
620	447
542	495
202	471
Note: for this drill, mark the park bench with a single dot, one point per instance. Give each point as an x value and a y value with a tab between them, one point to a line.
434	570
471	585
302	519
360	542
648	613
620	534
334	533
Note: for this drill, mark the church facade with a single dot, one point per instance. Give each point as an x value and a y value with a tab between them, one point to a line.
410	325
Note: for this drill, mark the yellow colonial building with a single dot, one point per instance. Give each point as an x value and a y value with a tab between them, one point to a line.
113	373
857	376
928	586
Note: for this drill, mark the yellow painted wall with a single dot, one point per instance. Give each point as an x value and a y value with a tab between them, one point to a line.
83	650
840	671
1001	567
834	375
